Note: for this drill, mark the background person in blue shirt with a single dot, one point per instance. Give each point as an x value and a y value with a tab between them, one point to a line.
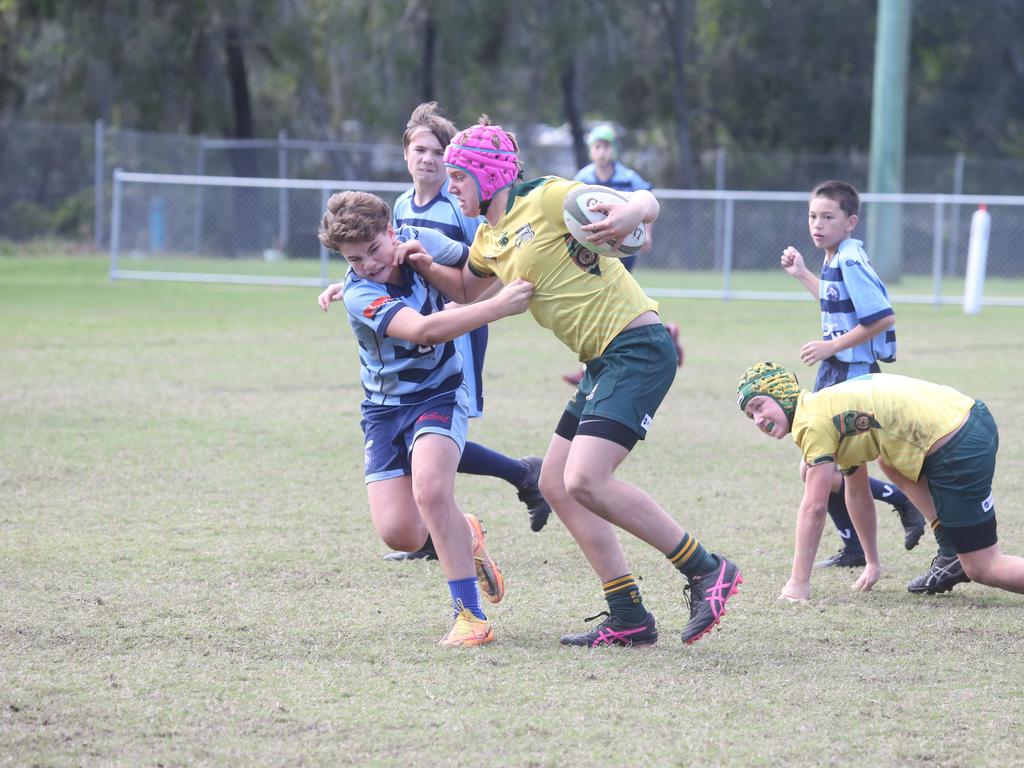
428	205
606	170
857	331
415	409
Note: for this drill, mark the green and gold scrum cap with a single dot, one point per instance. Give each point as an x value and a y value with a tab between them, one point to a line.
773	381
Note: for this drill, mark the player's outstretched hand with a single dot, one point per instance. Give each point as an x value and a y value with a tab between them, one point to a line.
792	261
796	592
514	297
333	292
868	578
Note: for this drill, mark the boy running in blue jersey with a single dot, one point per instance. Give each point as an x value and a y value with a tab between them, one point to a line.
428	205
857	330
594	306
606	170
415	408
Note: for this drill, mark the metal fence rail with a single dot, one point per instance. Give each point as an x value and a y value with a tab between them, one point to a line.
263	231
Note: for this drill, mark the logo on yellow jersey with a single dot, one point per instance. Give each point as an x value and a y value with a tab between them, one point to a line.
524	235
582	257
854	423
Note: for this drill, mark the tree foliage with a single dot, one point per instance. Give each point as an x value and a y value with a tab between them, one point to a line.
690	74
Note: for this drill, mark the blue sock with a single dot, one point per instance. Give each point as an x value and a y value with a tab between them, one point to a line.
478	460
887	492
841	517
466	592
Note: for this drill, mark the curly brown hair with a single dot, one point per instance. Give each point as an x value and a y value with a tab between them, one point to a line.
353	217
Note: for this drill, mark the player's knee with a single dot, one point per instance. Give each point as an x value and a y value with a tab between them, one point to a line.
431	495
551	486
583	486
402	538
977	569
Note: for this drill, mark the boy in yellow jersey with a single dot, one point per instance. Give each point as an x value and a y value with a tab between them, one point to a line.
594	306
938	445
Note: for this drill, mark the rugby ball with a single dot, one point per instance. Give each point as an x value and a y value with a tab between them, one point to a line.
577	214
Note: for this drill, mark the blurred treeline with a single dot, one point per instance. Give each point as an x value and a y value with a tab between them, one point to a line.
685	75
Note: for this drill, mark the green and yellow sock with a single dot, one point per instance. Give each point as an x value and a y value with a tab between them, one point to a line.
690	557
944	540
624	601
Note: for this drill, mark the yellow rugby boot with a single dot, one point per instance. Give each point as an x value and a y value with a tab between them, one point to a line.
468	631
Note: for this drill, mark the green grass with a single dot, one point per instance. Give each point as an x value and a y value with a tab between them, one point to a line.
190	576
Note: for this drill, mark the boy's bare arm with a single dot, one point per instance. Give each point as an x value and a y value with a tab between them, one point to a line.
457	283
818	350
861	507
438	327
810	522
793	263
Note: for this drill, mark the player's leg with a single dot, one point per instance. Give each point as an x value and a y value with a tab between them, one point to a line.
627	622
395	515
910	516
958	476
522	473
991	567
616	402
945	570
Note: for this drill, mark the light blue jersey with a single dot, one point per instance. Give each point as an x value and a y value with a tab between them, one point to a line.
852	294
444	215
622	178
395	371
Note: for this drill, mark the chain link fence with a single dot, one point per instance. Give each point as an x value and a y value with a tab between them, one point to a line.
195	227
58	183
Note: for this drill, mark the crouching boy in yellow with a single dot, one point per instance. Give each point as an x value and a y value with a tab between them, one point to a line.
937	444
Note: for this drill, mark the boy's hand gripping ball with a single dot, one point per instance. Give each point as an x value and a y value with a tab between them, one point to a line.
577	214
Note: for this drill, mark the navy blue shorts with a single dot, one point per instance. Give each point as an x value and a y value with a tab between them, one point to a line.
832	371
390	430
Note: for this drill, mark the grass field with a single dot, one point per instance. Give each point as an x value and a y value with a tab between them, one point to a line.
189	574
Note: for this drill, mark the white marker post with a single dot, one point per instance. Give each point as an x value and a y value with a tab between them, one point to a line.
977	257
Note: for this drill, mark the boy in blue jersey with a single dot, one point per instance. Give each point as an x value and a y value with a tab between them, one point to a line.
857	330
428	205
606	170
415	408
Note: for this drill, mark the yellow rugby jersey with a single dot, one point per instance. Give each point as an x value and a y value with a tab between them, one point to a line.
583	298
882	415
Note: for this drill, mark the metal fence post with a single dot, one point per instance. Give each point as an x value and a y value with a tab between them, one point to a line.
730	205
325	277
937	253
282	194
98	174
719	186
197	235
954	238
115	224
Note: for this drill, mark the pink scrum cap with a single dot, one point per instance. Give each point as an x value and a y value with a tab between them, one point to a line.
486	153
